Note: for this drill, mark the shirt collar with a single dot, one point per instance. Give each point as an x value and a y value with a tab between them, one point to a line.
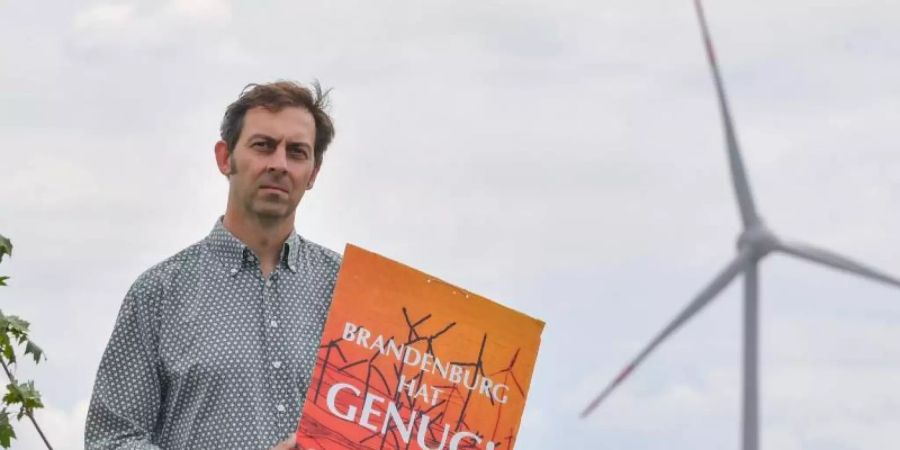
234	254
290	254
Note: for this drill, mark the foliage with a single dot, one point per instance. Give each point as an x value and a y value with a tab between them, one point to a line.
20	399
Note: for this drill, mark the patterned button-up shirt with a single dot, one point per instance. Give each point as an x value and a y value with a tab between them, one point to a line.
208	354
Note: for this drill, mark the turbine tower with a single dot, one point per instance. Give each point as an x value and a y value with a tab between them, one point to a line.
755	242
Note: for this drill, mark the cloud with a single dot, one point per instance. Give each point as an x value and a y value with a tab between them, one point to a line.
63	428
564	158
105	16
141	29
200	10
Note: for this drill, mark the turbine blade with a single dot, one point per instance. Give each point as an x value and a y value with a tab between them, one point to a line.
712	289
735	162
836	261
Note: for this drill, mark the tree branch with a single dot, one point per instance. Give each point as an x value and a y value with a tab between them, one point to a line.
29	413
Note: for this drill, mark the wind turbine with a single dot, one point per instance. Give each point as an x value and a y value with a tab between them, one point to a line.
755	242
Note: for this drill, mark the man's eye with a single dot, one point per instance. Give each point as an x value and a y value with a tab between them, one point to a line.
298	152
261	144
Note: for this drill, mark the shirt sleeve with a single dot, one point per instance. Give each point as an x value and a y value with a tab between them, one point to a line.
125	404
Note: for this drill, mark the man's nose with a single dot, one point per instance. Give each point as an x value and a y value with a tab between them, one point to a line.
278	159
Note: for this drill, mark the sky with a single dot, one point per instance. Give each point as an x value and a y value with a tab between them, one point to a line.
563	158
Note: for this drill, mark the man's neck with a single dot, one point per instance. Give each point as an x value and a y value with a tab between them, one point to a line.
264	238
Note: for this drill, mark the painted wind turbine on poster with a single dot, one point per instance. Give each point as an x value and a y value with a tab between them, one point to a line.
755	242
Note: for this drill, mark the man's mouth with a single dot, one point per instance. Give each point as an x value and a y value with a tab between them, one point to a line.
273	188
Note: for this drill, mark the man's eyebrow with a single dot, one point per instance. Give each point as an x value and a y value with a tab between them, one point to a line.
260	135
299	143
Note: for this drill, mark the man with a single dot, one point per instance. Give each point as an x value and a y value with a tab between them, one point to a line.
214	347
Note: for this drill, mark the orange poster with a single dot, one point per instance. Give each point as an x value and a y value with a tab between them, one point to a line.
408	361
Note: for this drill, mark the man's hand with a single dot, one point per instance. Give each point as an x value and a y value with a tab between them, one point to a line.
288	444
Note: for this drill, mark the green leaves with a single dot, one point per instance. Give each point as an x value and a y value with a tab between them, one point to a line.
6	430
35	351
13	333
13	330
15	325
24	395
5	247
7	350
27	398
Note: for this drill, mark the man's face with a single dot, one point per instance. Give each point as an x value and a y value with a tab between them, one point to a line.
272	164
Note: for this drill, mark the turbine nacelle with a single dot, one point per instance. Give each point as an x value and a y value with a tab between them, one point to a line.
758	240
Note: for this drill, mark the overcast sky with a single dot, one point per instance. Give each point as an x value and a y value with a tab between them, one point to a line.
564	158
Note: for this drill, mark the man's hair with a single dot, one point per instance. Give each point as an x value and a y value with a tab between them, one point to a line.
275	97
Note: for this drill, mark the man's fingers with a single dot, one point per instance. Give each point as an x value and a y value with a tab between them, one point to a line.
288	444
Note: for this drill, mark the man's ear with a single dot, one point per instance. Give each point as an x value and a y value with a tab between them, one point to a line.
223	159
312	179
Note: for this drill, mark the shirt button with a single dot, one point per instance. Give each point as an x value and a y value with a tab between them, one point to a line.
274	324
280	408
276	364
268	283
233	271
294	268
